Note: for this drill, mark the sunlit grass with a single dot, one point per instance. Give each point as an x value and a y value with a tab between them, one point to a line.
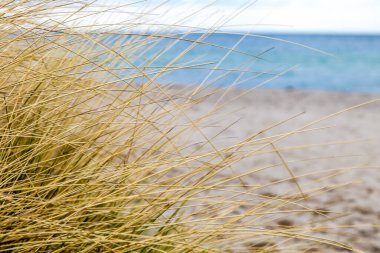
96	156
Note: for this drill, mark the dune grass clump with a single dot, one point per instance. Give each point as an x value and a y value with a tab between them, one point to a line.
97	157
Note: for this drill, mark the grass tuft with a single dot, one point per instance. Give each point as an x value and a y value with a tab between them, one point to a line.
96	156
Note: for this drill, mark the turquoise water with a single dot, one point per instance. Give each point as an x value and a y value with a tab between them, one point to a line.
347	63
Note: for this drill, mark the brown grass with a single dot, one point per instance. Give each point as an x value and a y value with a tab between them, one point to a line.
94	159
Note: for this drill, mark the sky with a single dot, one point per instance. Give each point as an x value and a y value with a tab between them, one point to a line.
318	16
315	15
286	16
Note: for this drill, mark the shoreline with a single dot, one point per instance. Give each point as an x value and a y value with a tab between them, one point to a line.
281	89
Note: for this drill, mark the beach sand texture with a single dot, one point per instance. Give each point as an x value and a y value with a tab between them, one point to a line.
353	140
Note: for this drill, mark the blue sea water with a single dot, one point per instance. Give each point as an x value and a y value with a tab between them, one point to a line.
303	61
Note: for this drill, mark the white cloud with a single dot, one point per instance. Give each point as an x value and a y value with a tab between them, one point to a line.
322	15
291	15
268	15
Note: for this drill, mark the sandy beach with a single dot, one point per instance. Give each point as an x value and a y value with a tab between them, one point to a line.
190	126
340	156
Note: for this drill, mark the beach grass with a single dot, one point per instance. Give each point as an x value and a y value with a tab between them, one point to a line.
96	156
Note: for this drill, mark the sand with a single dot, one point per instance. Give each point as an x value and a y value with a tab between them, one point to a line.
349	141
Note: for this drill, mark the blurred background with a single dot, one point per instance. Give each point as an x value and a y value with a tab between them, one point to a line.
292	44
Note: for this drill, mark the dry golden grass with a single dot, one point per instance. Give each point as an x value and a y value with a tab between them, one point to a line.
93	160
